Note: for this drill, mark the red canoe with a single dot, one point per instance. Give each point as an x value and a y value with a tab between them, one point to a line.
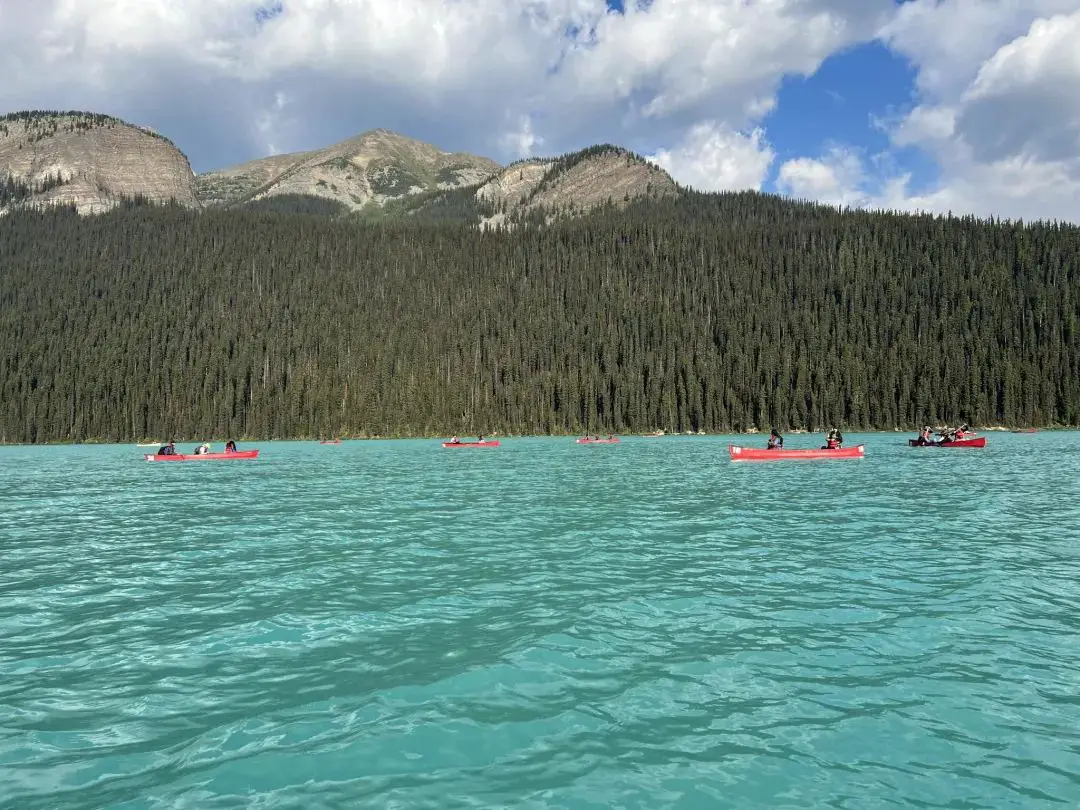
587	440
240	454
489	443
977	442
762	454
332	441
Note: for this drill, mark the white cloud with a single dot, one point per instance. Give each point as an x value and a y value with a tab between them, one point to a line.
1007	137
448	71
1015	187
836	178
998	112
925	124
713	157
269	122
522	141
949	40
688	80
1049	51
1024	99
845	178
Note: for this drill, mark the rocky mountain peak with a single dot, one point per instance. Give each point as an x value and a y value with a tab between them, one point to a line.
88	160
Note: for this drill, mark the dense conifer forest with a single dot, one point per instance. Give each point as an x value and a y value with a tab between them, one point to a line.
707	312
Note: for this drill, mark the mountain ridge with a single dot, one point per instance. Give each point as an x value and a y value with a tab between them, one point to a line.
369	168
95	161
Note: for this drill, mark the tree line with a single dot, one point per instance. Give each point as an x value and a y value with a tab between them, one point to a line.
709	312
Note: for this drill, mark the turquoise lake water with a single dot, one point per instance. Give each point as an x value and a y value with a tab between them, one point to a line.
544	625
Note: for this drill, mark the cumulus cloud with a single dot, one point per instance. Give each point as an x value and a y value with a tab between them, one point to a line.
689	82
1008	138
713	157
949	40
997	111
1024	98
462	73
522	141
836	178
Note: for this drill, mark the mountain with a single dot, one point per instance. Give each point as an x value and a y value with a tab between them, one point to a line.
577	182
386	175
371	169
94	162
542	190
87	160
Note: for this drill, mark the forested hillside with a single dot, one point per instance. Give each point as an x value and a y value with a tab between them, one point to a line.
712	312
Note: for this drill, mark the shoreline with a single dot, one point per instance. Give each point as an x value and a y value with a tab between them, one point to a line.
441	437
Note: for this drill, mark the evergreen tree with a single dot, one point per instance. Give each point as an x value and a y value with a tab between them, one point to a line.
707	312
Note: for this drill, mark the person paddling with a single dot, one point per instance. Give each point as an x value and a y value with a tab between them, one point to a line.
834	440
776	441
168	450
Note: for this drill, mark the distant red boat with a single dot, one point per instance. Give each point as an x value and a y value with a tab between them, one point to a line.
763	454
237	456
485	443
588	440
979	441
331	441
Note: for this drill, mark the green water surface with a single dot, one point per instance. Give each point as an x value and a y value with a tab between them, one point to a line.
542	625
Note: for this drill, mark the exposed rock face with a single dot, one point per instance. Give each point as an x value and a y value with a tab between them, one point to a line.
242	182
515	184
373	168
95	161
90	161
577	182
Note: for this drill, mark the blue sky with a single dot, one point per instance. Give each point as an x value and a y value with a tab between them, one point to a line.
942	105
845	102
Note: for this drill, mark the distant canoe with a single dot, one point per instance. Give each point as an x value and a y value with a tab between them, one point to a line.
149	444
331	441
810	453
587	440
1026	430
491	443
237	456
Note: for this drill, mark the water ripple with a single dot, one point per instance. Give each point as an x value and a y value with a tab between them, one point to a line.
542	626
